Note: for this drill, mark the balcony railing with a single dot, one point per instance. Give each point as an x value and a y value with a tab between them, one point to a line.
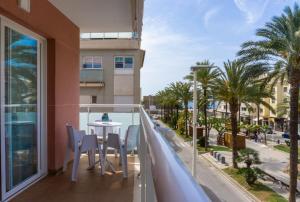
108	35
163	175
91	76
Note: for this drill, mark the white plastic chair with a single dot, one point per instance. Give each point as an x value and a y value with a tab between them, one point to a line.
78	143
129	144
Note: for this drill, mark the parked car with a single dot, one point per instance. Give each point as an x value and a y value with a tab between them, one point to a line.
287	136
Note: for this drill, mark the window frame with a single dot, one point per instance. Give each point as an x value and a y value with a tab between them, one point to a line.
124	62
93	56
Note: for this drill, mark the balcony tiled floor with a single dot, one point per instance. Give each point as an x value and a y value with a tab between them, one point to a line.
89	187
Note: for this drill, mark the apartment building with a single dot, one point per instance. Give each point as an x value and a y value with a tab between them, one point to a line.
277	120
221	108
110	66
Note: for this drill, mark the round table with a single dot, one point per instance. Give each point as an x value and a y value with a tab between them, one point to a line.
105	125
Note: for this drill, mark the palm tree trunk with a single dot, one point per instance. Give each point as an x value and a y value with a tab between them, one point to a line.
186	118
234	127
214	107
163	112
205	118
294	133
177	115
258	112
239	112
226	108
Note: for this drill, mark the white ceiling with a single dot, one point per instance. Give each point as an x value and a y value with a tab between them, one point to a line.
98	15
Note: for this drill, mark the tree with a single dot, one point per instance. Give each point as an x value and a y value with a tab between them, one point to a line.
182	91
258	96
219	125
249	157
168	101
205	76
279	47
264	129
234	84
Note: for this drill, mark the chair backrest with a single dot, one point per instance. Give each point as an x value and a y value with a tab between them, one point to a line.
132	137
73	139
114	141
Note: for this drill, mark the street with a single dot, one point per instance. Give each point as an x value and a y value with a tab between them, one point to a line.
217	187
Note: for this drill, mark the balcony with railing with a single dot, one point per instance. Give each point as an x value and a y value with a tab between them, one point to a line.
113	40
155	173
91	77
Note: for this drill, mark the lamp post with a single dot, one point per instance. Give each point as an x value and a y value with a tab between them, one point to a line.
195	112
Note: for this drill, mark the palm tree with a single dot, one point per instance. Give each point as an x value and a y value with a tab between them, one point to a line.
279	47
159	98
258	97
235	84
205	76
182	91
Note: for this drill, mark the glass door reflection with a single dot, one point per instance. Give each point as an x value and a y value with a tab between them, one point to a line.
20	107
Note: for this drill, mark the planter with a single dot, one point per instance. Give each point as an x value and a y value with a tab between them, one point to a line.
241	140
199	131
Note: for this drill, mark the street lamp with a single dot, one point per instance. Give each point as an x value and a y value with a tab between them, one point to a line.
195	110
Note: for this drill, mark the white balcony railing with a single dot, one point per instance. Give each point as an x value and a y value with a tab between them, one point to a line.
108	35
163	175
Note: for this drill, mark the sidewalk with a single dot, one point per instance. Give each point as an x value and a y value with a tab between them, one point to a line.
217	187
274	162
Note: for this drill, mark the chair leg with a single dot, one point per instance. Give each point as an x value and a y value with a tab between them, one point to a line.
120	158
67	157
123	155
116	153
101	160
91	157
75	166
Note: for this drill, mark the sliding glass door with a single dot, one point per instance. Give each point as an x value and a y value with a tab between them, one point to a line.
20	108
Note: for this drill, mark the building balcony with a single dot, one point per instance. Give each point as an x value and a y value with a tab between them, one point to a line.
91	78
110	44
155	173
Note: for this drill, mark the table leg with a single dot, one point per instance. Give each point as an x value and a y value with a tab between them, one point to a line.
104	150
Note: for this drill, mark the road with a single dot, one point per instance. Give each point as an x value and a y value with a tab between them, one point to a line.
217	187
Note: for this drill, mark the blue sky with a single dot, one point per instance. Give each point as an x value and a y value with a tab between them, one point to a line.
178	33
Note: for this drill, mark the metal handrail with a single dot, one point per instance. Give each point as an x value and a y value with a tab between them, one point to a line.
172	181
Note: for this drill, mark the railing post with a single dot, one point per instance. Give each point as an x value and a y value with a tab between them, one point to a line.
132	116
148	191
88	119
142	163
